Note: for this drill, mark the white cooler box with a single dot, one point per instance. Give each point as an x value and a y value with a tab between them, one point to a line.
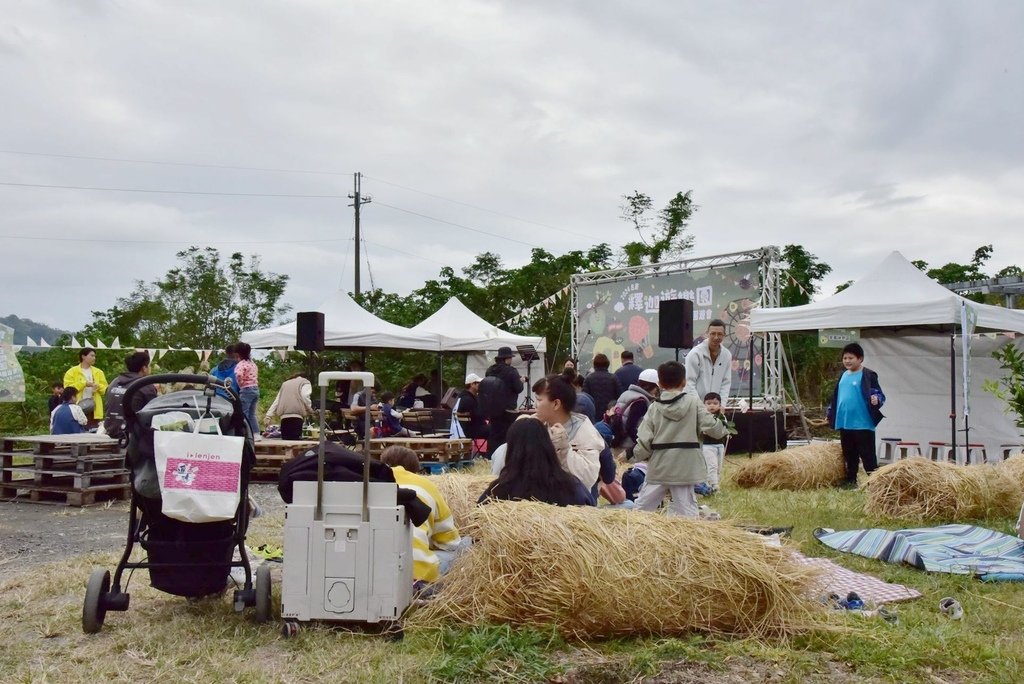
341	568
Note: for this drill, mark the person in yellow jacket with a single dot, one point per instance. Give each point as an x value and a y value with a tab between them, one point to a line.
436	542
90	382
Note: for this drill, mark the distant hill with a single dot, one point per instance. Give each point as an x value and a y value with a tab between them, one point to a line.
23	327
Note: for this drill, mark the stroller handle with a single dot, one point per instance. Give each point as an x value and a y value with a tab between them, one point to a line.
205	380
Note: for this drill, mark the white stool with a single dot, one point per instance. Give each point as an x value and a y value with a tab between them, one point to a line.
969	454
907	450
889	449
940	451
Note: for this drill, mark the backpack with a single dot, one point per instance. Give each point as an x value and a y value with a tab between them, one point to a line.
493	397
617	422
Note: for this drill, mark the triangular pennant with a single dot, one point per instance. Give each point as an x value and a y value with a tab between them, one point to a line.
116	344
43	343
152	354
207	353
199	354
74	343
99	344
164	351
282	353
16	347
29	342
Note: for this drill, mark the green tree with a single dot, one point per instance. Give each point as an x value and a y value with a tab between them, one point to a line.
201	303
670	239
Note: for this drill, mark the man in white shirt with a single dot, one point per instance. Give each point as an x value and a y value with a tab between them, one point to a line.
709	364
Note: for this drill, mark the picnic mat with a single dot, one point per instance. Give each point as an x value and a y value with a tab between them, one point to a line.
956	549
836	579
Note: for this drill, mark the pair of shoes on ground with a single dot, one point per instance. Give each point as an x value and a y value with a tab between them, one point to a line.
270	552
951	608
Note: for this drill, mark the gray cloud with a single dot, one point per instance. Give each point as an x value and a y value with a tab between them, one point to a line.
852	129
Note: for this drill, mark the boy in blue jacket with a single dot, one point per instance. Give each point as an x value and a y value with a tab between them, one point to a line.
855	410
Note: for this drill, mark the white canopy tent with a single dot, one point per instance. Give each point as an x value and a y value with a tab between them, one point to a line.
907	321
348	326
461	330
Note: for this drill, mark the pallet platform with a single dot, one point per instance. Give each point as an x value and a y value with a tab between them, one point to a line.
71	469
271	454
429	449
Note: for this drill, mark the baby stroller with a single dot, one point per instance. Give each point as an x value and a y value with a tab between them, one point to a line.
184	559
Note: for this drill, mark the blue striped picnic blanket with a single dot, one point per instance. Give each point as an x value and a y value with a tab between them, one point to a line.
956	549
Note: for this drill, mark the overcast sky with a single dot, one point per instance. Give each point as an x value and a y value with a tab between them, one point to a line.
851	128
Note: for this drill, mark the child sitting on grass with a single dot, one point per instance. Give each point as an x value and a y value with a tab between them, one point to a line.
667	440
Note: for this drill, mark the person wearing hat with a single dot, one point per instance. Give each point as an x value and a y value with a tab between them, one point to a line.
472	425
513	387
634	403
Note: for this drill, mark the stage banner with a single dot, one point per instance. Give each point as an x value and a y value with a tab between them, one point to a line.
623	314
12	380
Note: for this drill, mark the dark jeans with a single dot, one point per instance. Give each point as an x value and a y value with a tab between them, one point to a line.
291	428
497	430
858	445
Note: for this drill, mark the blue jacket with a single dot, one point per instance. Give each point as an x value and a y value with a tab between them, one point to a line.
64	423
868	388
225	371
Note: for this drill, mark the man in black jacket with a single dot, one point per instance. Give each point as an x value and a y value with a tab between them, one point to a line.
113	420
499	424
602	385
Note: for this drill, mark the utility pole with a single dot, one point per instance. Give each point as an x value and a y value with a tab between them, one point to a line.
357	201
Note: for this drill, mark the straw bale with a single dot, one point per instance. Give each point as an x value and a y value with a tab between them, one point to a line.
816	465
1014	467
918	488
594	573
461	491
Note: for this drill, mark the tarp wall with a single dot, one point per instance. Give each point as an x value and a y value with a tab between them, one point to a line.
914	373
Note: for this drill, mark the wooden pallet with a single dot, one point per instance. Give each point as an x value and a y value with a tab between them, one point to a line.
71	469
271	454
429	449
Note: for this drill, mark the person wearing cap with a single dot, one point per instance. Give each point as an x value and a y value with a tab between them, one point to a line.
499	424
474	427
634	402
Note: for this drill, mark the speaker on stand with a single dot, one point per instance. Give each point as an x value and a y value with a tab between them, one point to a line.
309	331
675	324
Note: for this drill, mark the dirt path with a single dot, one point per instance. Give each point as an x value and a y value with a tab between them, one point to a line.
31	533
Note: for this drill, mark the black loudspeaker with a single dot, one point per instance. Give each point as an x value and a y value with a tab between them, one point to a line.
675	323
309	331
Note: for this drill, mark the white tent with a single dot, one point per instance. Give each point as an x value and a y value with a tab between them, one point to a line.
348	325
896	294
906	320
461	330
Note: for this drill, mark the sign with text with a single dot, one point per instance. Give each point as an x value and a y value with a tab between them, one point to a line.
623	314
837	338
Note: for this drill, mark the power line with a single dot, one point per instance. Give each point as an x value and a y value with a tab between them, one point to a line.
172	242
474	206
171	192
170	163
451	223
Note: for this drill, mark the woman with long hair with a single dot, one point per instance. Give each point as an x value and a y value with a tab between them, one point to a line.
532	470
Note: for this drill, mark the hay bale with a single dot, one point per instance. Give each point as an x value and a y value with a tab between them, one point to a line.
593	573
918	488
461	491
1014	468
816	465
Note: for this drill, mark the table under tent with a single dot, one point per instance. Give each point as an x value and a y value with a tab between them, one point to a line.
911	328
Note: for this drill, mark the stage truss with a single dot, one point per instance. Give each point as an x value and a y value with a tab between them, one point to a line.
772	394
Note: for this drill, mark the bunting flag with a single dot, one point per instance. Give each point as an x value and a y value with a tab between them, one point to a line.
99	344
199	354
16	348
43	343
282	354
116	344
206	354
545	303
152	354
28	343
74	343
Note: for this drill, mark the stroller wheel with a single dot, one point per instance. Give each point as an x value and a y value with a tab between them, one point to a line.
262	593
289	629
95	609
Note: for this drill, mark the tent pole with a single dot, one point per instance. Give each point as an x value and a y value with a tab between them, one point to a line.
952	390
750	395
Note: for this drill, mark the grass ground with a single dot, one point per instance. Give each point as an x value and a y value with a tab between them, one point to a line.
165	638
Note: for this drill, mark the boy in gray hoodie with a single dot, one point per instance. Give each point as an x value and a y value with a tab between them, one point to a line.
667	440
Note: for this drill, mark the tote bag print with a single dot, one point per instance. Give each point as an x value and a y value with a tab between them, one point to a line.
200	475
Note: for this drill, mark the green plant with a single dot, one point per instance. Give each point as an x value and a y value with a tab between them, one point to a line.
1010	388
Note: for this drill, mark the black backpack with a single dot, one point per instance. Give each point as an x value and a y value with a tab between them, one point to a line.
493	398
